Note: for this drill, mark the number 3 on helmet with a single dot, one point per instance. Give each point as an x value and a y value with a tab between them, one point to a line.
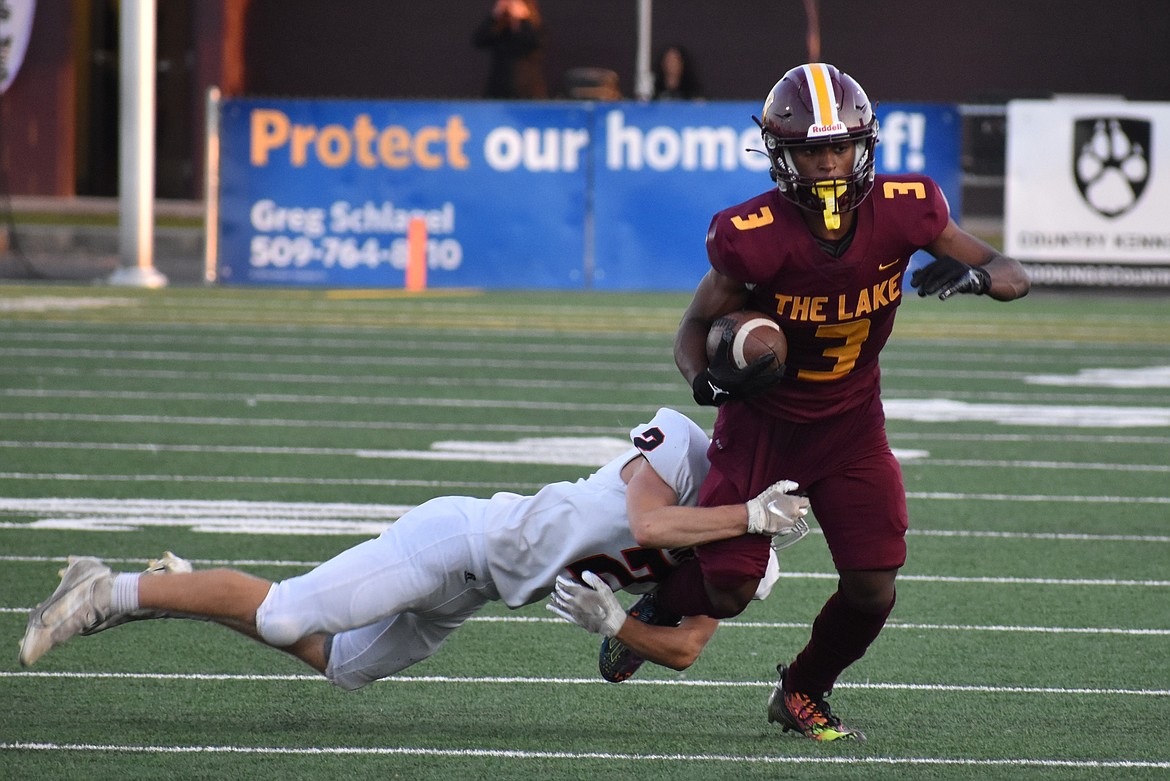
812	105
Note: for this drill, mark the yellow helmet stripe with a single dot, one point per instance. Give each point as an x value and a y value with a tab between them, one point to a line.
823	100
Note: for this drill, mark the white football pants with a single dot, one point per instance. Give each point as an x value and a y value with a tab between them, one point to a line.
388	602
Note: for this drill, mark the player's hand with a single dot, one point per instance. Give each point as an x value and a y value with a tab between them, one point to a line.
593	607
947	276
722	381
777	512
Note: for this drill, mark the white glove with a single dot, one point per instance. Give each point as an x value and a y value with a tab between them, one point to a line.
593	609
775	511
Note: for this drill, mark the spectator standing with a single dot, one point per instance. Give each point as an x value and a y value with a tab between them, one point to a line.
513	34
675	77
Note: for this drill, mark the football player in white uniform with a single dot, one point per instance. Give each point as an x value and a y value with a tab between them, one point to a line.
390	602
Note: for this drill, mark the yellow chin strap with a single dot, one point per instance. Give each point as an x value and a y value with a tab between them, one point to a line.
829	190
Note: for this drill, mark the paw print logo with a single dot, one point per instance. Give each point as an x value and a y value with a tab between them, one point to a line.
1111	162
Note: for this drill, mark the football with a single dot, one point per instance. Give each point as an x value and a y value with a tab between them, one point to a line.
753	335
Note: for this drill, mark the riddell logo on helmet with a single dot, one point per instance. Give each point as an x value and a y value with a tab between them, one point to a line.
826	130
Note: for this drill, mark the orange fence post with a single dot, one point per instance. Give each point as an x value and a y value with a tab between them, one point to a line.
416	254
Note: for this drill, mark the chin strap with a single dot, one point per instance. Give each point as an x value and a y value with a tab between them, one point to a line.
829	190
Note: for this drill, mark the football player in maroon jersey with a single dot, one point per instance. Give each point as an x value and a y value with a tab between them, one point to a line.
825	252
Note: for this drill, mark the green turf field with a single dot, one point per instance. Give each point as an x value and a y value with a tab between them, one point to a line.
271	429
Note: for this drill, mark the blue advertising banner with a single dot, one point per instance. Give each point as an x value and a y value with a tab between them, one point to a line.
664	169
611	196
320	193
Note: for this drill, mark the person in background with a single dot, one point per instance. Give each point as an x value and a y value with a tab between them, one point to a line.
675	77
513	34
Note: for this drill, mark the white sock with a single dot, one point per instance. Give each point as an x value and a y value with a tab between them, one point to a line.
124	597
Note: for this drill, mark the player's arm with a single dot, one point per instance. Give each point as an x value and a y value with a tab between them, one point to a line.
590	604
966	264
676	647
717	381
717	294
658	521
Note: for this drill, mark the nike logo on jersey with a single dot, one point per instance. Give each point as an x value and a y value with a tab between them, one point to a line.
884	266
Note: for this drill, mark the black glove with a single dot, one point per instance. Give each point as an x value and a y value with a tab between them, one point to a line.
947	276
721	381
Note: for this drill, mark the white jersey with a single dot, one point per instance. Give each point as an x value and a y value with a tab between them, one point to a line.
391	601
529	540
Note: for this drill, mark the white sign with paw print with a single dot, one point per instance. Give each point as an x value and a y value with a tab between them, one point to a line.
1088	180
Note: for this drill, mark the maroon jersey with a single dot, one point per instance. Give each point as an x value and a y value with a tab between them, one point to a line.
837	312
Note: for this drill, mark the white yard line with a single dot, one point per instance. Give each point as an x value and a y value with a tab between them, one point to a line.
594	681
1114	410
772	626
512	453
454	484
258	517
730	759
377	425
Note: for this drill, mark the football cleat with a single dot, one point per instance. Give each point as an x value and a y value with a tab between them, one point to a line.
616	661
806	714
81	601
167	564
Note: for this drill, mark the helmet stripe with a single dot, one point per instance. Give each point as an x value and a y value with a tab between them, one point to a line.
821	93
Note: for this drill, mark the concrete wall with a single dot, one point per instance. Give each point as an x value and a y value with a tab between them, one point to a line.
968	51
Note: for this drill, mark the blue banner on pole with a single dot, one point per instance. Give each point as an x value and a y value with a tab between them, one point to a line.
613	196
664	169
321	192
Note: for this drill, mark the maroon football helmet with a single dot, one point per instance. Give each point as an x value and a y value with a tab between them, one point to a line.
817	104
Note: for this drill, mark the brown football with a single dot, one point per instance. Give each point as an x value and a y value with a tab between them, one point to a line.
753	335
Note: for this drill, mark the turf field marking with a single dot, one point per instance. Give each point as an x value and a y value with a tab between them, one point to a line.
972	462
566	451
562	451
532	428
377	342
388	379
256	517
445	484
330	360
986	580
1067	536
347	379
736	623
579	755
1109	439
1112	377
941	410
237	479
593	681
893	624
1147	377
624	356
925	410
1045	498
61	303
513	428
647	342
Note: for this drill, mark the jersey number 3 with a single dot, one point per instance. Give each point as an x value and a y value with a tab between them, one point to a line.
844	355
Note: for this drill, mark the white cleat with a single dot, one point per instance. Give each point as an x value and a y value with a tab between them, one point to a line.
81	601
167	564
